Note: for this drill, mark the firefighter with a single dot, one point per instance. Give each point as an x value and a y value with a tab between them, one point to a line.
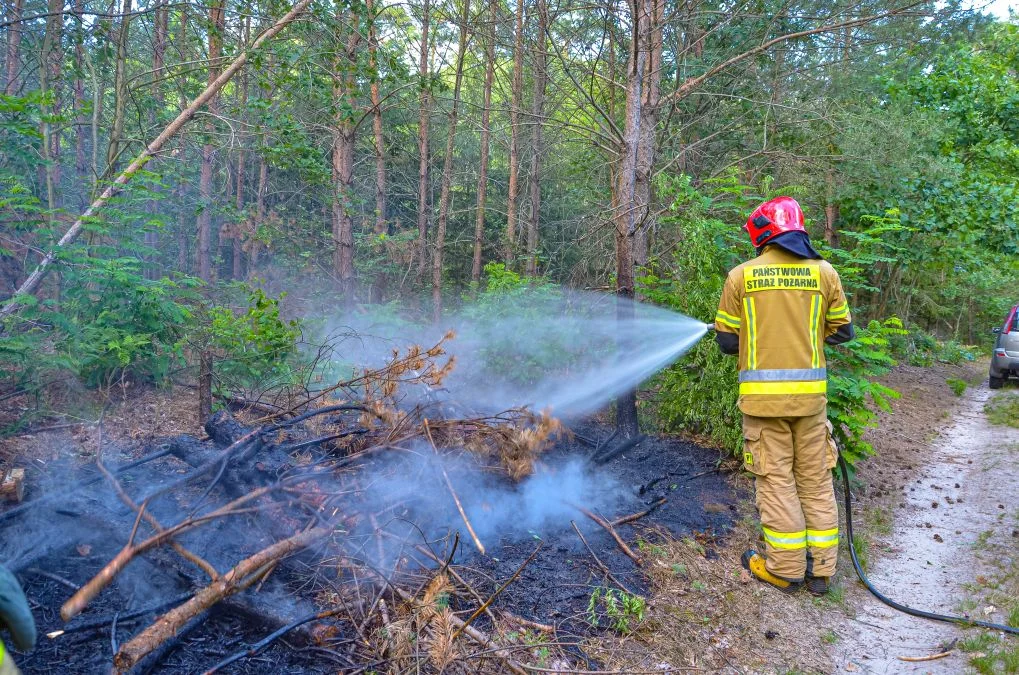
16	617
777	312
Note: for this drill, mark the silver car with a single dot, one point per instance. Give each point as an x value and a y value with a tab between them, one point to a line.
1005	359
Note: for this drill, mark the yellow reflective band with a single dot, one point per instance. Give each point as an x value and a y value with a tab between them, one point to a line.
786	540
727	319
815	320
2	654
837	313
823	538
779	388
750	311
781	278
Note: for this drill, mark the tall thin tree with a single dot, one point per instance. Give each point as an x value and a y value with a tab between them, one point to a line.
447	166
516	100
486	136
537	145
216	26
425	102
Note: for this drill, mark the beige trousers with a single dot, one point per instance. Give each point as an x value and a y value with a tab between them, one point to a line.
791	459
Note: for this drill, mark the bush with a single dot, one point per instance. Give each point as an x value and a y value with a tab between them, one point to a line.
254	348
854	395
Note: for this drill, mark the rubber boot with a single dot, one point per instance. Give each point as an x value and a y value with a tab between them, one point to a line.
816	586
754	563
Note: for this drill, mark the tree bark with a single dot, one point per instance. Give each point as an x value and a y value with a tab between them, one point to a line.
159	36
344	138
516	101
646	143
216	25
447	168
630	200
537	148
424	213
50	68
238	251
80	162
32	282
379	144
119	90
13	59
486	134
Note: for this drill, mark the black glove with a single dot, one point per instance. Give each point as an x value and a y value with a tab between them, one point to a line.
15	614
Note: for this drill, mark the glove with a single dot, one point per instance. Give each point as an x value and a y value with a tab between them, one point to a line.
15	615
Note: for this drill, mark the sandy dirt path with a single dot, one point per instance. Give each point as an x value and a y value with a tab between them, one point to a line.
964	480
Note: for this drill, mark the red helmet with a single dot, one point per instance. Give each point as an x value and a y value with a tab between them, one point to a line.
770	219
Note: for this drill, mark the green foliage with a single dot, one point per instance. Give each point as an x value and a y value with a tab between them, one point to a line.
253	347
110	322
698	393
620	608
854	394
957	386
1003	410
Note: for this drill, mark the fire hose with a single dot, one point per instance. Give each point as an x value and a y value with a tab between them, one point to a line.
947	618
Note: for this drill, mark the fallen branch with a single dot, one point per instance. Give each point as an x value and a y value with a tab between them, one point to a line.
637	516
36	277
598	561
615	535
497	593
194	559
74	606
929	657
106	620
248	570
459	506
543	627
254	649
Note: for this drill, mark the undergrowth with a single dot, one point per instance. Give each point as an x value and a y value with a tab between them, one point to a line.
1003	410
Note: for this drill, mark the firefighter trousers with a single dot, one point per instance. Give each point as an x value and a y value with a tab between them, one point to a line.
791	459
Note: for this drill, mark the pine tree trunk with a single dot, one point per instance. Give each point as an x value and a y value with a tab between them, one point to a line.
379	139
344	138
13	59
537	147
119	91
632	189
516	100
654	18
425	113
238	251
80	162
447	168
50	68
159	35
486	133
205	183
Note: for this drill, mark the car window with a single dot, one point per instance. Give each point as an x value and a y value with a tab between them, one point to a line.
1015	323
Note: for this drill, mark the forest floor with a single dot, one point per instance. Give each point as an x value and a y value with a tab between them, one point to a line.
938	528
936	518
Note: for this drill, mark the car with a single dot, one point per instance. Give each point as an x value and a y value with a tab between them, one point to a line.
1005	359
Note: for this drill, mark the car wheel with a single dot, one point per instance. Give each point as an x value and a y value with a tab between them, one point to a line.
995	382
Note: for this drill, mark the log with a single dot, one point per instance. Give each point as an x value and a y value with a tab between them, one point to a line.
228	584
13	487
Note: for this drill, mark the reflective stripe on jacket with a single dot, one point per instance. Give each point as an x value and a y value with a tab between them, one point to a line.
782	307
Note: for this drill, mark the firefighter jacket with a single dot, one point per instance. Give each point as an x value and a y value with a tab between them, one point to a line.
782	307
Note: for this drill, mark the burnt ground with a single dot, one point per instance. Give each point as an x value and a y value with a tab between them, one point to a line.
66	541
